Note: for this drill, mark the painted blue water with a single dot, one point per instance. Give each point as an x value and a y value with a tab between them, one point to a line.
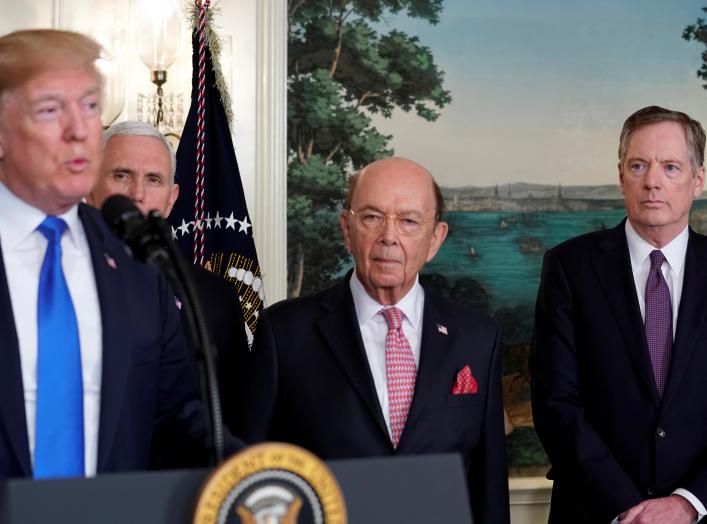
509	248
509	259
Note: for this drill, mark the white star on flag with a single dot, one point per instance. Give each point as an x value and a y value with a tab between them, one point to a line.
217	221
184	228
231	222
244	225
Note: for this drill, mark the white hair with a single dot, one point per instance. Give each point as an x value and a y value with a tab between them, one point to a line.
135	128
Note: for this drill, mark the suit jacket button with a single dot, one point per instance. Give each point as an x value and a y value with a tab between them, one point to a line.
650	491
660	432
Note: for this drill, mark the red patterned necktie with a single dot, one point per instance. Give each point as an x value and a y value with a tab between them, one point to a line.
659	321
400	371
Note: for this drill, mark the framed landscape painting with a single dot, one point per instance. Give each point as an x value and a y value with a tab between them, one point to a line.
515	107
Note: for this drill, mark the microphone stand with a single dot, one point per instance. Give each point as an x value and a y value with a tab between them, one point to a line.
170	261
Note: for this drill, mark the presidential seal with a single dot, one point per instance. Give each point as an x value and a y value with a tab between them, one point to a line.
271	483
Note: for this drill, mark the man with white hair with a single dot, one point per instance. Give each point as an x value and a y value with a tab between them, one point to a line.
139	162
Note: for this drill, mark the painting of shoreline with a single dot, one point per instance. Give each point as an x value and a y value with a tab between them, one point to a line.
492	259
516	109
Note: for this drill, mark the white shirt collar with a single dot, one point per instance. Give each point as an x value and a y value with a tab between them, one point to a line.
18	220
367	307
640	249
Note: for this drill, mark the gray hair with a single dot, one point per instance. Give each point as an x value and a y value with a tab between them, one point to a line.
135	128
694	133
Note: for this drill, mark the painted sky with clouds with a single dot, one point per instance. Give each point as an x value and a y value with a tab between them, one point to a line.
540	89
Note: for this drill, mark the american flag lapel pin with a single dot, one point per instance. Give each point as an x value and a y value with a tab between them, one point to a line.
442	329
111	261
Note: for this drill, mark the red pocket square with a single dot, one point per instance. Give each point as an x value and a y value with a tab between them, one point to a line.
465	383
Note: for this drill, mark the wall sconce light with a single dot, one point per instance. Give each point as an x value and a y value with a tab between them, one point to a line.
113	101
157	38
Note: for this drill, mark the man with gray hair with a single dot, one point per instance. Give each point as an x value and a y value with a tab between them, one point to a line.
140	163
377	365
620	352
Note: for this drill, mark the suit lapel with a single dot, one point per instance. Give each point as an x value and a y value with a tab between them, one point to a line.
691	315
110	287
431	373
613	269
339	327
12	398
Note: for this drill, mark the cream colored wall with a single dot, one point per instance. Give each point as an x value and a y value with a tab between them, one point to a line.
530	500
254	37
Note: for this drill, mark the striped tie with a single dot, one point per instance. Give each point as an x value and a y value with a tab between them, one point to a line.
400	372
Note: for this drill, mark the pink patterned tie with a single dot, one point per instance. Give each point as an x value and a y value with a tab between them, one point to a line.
400	372
659	321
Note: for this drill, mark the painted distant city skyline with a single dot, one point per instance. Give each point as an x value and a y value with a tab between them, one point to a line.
540	89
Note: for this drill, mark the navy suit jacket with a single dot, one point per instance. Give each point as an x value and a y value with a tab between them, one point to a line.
147	392
224	321
309	384
611	439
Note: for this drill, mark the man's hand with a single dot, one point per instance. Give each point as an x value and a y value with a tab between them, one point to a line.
666	510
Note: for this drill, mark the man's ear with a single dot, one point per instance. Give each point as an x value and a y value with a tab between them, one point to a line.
439	233
699	181
345	229
173	195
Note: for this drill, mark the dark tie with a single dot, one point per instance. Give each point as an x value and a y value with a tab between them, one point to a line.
659	321
59	450
400	372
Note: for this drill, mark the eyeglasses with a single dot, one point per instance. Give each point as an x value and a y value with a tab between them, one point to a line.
405	224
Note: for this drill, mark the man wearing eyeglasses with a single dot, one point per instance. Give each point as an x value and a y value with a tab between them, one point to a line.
377	365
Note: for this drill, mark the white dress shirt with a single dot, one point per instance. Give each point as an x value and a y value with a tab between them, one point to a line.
374	329
673	270
23	249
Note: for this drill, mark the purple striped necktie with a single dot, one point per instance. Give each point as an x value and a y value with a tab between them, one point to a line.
659	321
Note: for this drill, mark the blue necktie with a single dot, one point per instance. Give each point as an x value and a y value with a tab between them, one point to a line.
59	437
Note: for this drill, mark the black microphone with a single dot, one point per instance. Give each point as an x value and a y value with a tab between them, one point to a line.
145	236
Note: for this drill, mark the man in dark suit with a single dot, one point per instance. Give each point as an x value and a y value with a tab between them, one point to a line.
140	163
619	362
93	370
377	365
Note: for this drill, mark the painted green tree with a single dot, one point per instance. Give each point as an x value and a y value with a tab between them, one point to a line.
343	68
698	33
